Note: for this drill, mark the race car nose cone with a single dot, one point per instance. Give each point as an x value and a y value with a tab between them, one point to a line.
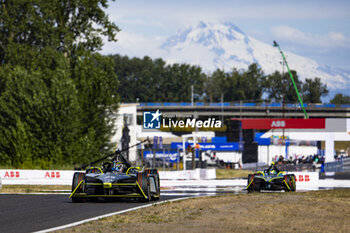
107	185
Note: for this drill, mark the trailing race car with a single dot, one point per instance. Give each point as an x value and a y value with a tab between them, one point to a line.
271	179
115	179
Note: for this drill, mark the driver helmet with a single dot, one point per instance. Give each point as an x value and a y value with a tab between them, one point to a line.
273	172
119	167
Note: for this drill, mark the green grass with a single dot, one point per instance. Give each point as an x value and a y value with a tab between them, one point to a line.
316	211
339	145
32	188
231	173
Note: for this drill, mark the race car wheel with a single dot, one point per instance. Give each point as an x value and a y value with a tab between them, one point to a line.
147	193
250	188
158	188
156	197
290	180
143	180
157	183
292	186
77	178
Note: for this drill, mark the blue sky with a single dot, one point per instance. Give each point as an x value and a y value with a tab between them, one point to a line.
316	29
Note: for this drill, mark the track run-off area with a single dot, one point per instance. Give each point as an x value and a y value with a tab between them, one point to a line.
48	211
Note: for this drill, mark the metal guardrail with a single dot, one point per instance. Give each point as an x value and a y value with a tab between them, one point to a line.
338	166
341	165
282	167
239	104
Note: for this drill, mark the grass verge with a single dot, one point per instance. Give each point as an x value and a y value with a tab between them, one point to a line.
317	211
231	173
32	188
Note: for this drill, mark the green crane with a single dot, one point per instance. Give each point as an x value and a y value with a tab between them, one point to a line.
291	77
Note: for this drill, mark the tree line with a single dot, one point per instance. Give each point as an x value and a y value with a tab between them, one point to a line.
57	95
152	80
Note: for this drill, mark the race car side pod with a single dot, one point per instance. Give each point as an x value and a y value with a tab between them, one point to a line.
76	188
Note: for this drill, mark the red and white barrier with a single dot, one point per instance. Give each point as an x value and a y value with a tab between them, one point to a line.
36	177
61	177
306	180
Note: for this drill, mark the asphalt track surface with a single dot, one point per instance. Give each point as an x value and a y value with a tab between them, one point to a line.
30	213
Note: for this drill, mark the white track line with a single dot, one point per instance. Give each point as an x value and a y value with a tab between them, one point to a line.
107	215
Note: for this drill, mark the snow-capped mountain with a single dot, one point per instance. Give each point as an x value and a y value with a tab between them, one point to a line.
225	46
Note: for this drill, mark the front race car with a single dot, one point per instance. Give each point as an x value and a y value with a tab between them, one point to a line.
116	178
265	180
134	183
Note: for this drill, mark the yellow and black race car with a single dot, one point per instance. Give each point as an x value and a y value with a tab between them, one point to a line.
271	179
115	179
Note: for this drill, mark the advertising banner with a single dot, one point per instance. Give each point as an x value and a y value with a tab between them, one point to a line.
36	177
281	123
306	180
171	155
233	146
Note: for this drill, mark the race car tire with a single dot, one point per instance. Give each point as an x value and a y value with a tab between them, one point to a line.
77	178
156	197
290	180
250	189
143	180
157	181
158	192
293	187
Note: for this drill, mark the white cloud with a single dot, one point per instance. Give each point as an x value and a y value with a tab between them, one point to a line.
133	44
295	36
142	22
337	36
186	12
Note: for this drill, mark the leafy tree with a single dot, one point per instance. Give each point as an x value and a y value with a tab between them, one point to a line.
180	78
216	85
96	83
148	80
340	99
235	88
313	90
251	82
136	78
279	87
67	26
39	112
236	85
56	94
